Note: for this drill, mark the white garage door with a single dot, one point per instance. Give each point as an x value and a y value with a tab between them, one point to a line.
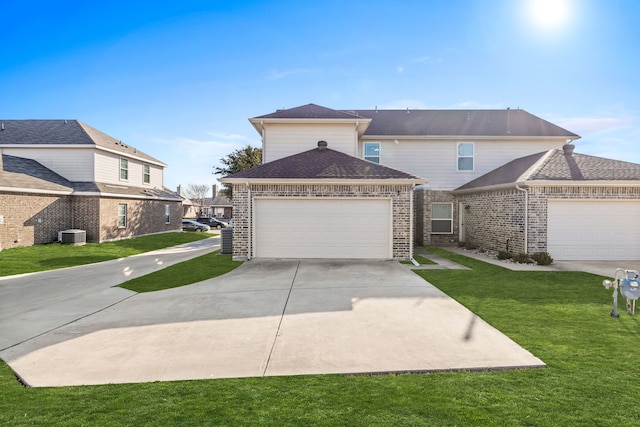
594	230
322	228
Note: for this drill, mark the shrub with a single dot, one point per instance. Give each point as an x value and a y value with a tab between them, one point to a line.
522	258
542	258
502	255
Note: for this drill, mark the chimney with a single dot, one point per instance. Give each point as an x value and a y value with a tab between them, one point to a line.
179	190
322	145
568	149
214	191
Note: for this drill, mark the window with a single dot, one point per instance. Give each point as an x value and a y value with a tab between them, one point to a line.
124	169
122	215
146	174
372	151
442	218
167	214
465	156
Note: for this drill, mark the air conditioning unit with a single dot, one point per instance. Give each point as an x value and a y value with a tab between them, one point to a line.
73	237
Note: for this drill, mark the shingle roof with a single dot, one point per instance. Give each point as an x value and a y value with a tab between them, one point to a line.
309	111
62	132
320	163
21	173
462	123
555	165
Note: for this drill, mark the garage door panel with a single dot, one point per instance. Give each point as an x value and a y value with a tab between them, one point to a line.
593	230
322	228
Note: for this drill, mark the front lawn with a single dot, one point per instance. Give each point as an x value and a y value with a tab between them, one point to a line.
561	317
30	259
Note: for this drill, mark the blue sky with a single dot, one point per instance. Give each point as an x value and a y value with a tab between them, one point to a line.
179	79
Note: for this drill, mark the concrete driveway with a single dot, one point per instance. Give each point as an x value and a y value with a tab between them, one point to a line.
270	317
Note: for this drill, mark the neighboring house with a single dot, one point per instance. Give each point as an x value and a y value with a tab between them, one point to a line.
447	148
219	206
62	174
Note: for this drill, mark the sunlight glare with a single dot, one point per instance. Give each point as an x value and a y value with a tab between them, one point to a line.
549	14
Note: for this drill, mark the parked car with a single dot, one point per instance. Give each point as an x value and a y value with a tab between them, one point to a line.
212	222
188	225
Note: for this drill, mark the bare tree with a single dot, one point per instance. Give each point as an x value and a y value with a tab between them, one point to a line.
197	193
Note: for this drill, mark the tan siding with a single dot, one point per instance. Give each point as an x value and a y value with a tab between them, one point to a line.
285	140
108	171
75	164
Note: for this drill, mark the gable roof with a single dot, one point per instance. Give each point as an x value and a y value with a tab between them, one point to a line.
21	173
64	132
430	123
321	164
556	165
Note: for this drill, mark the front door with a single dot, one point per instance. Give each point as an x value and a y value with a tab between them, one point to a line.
461	231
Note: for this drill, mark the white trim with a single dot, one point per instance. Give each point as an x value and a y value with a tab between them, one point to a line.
441	219
473	157
364	151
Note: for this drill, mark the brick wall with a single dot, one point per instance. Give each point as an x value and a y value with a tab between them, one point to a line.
495	219
30	219
143	217
423	198
399	194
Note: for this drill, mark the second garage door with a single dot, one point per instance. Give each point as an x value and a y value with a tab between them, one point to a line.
593	230
322	228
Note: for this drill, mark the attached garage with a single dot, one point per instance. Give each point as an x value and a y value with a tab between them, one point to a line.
323	228
593	229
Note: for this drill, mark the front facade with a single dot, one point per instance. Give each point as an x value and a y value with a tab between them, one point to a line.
57	175
449	149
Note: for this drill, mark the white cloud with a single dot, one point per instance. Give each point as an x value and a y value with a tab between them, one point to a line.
588	125
281	74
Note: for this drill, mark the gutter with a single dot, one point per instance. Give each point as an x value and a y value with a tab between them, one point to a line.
526	216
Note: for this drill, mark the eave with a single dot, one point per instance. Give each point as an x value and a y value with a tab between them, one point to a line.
321	181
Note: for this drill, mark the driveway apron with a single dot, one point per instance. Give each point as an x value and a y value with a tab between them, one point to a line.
271	317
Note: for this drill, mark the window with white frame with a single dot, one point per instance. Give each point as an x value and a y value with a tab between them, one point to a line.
124	169
372	151
465	156
122	215
167	214
442	218
146	174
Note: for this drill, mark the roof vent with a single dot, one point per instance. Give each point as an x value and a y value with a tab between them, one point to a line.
568	149
322	145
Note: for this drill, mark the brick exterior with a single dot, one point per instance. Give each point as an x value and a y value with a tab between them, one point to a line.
399	194
495	219
31	219
423	198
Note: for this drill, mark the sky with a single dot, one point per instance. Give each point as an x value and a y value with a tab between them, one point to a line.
180	79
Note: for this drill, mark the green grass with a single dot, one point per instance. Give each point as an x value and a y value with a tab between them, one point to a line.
561	317
30	259
184	273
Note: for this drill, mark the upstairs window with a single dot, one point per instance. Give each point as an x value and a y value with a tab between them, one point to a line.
124	169
146	174
442	218
372	151
465	156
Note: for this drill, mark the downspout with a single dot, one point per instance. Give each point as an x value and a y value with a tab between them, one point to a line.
412	234
526	217
250	220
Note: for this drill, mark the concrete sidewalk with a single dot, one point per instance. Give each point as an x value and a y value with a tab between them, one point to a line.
35	303
271	317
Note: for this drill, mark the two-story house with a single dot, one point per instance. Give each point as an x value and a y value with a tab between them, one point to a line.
63	174
382	179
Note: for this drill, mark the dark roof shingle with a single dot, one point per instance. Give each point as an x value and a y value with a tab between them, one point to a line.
322	164
21	173
62	132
